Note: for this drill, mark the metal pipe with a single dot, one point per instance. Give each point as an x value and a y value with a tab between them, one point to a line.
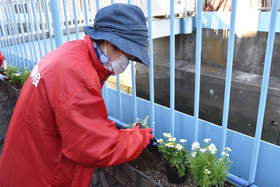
56	23
197	68
14	42
32	36
66	20
172	66
7	38
228	75
151	55
37	30
75	16
133	87
49	25
42	26
85	10
265	81
22	35
19	42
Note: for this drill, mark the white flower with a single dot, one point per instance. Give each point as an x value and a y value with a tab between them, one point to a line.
160	140
203	150
227	149
183	140
172	139
223	153
195	146
207	140
212	149
178	146
193	154
168	135
207	172
17	74
169	145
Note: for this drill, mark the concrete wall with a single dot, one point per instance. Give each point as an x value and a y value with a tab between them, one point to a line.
248	62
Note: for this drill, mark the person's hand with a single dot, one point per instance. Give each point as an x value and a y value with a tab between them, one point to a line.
2	77
147	136
2	58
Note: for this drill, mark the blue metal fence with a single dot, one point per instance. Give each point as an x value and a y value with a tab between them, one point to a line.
21	48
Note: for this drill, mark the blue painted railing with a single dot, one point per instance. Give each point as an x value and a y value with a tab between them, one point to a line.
255	162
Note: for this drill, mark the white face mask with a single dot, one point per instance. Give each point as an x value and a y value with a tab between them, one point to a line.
117	66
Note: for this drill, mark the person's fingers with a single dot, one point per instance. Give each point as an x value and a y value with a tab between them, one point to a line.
150	130
151	136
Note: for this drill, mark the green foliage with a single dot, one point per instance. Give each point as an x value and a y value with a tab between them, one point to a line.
16	77
206	168
12	70
144	122
174	153
24	76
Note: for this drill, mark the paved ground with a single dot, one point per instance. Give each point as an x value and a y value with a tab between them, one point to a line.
3	131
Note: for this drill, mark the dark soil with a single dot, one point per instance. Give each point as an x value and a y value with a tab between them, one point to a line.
153	165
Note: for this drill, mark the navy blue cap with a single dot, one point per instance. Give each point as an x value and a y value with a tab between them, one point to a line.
123	25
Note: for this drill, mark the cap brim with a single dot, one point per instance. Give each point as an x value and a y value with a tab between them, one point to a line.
138	51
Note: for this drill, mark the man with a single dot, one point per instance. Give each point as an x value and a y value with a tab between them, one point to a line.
60	130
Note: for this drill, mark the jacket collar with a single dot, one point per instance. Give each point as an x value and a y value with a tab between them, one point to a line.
102	72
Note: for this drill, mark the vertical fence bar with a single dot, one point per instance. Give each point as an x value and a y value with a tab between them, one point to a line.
66	20
7	37
97	4
119	98
197	68
152	98
49	23
56	23
265	81
19	42
105	84
134	91
29	40
228	75
7	54
32	36
133	86
86	13
13	38
36	27
172	66
119	93
75	17
22	35
42	25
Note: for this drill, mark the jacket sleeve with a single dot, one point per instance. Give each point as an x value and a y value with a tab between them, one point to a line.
88	137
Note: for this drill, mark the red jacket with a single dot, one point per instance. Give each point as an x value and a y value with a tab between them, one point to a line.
60	130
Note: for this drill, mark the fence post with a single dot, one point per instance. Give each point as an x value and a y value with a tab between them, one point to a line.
56	22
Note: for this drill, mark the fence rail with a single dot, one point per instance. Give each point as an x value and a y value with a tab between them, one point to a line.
27	30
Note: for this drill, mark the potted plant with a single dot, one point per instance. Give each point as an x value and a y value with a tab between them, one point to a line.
176	158
205	167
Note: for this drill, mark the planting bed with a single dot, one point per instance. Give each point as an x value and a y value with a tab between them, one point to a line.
153	166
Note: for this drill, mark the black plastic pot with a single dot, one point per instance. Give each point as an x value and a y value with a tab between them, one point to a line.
172	174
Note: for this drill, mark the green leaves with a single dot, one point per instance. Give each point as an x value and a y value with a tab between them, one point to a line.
206	168
174	153
15	76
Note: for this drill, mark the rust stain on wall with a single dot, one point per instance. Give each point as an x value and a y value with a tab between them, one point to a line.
212	52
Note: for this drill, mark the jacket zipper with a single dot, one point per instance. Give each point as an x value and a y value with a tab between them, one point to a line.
105	78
